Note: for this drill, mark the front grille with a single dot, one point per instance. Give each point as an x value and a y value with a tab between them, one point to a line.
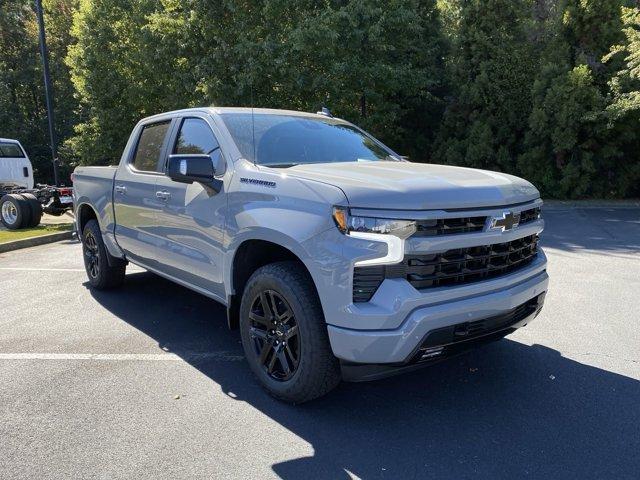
452	226
530	215
449	226
449	340
467	265
453	267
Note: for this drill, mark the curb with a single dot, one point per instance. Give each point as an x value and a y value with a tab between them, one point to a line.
35	241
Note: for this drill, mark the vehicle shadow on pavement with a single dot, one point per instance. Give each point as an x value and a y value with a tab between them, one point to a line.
507	410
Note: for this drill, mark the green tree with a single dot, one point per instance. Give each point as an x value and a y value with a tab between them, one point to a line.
118	74
567	150
623	111
376	62
564	132
22	102
491	69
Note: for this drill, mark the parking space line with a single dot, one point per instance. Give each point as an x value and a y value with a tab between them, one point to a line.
154	357
26	269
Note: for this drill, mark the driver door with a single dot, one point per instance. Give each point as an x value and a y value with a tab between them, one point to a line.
190	223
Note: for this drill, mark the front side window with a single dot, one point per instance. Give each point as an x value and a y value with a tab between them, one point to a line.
195	137
285	140
150	146
10	150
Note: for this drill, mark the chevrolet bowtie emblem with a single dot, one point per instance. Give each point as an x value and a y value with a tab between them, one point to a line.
507	221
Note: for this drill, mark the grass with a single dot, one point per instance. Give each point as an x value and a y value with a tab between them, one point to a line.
12	235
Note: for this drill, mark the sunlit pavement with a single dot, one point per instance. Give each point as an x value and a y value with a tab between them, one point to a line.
147	382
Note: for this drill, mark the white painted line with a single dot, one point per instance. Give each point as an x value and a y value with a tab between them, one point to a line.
153	357
23	269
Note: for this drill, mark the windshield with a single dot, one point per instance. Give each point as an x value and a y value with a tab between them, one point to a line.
286	140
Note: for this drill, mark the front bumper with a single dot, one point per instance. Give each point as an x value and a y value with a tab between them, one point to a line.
398	347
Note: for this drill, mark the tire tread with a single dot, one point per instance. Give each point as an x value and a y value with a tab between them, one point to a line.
111	276
323	375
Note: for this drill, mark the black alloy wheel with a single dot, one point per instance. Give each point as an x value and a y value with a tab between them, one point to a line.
284	334
274	334
103	271
92	255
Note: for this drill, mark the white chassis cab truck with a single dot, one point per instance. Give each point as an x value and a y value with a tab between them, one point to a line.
22	204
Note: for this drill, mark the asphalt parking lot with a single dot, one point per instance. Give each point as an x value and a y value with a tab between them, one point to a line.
147	382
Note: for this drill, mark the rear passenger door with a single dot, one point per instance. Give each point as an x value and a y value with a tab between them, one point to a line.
191	220
134	196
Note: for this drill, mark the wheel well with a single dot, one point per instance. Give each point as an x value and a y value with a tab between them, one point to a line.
85	213
251	255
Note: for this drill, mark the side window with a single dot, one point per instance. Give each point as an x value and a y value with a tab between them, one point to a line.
195	137
150	146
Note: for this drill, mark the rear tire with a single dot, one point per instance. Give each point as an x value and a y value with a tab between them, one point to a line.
35	208
269	334
15	212
102	276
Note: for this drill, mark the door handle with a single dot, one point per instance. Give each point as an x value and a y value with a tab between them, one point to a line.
164	195
121	189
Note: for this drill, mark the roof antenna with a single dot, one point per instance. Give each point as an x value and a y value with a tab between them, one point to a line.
253	127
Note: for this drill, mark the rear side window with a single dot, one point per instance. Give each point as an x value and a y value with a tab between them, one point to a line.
195	137
10	150
150	147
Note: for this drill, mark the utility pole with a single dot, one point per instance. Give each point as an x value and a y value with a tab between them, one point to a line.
47	89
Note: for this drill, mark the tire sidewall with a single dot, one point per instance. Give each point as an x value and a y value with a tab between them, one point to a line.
92	227
263	280
23	211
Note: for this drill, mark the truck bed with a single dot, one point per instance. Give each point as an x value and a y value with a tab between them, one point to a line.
94	185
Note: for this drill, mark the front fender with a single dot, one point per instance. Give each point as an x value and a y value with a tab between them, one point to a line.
268	205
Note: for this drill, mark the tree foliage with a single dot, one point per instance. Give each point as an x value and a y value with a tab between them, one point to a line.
376	62
568	149
23	114
492	62
532	95
545	89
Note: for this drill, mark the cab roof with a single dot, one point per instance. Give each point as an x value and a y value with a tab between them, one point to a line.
223	110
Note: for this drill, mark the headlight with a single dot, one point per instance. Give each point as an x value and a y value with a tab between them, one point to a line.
385	230
347	224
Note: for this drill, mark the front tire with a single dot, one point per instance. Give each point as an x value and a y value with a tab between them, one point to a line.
284	334
102	275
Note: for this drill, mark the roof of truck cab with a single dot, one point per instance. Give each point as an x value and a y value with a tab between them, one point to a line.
223	110
9	140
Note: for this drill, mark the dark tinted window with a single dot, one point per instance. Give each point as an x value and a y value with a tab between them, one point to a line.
150	146
10	150
195	137
291	139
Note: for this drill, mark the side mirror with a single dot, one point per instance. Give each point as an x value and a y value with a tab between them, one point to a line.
187	168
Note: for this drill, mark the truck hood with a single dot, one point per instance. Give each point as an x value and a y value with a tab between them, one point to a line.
418	186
